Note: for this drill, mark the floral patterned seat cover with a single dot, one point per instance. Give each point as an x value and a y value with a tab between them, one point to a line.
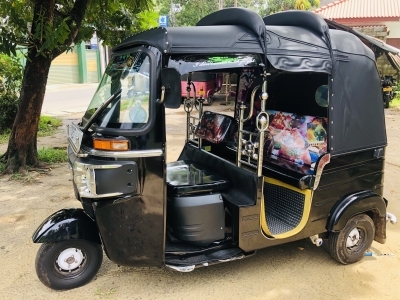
298	140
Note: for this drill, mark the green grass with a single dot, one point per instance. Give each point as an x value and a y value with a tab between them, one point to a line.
395	103
105	292
46	155
47	126
52	155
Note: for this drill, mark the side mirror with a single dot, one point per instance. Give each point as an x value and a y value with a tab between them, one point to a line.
171	90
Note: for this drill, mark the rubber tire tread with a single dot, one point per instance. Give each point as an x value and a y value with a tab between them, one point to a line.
337	240
386	101
47	253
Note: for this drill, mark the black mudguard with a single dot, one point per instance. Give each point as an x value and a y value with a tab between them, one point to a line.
354	204
67	224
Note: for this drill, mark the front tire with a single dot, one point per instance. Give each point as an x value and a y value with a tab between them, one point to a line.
350	244
68	264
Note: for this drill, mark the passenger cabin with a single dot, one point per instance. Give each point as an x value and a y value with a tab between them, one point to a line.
232	175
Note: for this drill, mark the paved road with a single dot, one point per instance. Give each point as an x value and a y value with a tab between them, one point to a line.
67	98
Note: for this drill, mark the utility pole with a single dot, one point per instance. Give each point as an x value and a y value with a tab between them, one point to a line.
235	3
172	14
220	4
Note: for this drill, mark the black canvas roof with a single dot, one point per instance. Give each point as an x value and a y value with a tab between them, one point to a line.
296	44
173	40
294	41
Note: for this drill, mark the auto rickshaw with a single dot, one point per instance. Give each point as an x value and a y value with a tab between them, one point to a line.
203	86
301	155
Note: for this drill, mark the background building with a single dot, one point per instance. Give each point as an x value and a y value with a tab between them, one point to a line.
377	18
84	64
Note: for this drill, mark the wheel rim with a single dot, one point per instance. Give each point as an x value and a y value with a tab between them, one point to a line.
69	260
355	239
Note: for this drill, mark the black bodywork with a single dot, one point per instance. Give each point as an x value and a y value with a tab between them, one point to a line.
133	225
67	224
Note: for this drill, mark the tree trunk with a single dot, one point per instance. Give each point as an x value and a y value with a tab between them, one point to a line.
22	146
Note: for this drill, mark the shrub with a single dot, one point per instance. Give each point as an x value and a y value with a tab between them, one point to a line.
11	73
8	111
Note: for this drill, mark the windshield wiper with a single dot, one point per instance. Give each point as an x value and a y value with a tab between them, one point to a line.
100	109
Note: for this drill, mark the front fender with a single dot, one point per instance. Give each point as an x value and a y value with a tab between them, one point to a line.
354	204
67	224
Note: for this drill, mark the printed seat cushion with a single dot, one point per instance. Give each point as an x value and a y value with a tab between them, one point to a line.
216	128
297	140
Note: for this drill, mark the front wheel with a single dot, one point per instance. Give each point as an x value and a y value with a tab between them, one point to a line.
68	264
350	244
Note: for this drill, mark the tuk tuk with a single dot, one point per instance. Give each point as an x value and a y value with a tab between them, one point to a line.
301	155
204	86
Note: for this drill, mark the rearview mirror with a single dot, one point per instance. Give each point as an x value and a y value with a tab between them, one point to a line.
171	91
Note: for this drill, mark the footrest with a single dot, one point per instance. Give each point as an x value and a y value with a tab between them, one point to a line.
208	258
187	178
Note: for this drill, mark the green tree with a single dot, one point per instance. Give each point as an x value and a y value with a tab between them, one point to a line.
189	12
47	29
274	6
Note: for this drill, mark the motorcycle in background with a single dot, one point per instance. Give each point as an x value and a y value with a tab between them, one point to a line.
387	83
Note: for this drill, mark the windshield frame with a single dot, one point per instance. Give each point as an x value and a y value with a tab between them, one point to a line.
152	99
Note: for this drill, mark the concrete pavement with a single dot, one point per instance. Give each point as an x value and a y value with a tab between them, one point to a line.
65	99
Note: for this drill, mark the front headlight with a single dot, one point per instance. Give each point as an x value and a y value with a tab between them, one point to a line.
84	177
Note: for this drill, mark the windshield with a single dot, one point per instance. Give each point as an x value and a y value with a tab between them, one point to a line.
129	73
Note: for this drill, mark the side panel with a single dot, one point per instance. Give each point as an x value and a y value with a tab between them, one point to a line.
343	176
132	229
67	224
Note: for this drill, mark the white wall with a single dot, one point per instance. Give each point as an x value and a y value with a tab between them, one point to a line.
394	29
325	2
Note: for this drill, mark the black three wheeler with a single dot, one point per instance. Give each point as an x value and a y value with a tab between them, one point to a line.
301	154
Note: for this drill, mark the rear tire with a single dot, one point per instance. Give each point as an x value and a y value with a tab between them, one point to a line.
68	264
386	100
350	244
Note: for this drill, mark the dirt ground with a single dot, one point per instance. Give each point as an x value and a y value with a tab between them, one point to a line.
296	270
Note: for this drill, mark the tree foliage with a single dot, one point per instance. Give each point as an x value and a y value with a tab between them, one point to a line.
46	29
113	20
11	73
189	12
274	6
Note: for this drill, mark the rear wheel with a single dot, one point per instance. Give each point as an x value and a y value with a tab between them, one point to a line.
386	100
210	100
349	245
68	264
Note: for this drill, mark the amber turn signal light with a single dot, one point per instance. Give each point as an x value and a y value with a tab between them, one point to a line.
114	145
